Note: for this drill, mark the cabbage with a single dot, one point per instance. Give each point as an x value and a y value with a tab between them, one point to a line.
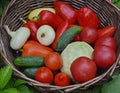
73	51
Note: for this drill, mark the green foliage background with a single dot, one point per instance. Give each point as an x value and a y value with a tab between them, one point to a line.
3	4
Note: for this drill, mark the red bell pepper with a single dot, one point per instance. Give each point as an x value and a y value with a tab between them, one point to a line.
107	31
33	48
87	18
33	26
49	18
65	11
61	29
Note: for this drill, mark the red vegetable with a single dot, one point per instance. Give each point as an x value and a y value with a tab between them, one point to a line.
87	18
33	26
89	35
62	79
107	41
61	29
107	31
65	11
49	18
44	75
77	38
33	48
53	61
104	56
83	69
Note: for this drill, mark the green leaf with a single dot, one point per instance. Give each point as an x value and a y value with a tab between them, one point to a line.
113	1
96	89
1	91
4	2
112	87
5	76
10	90
117	4
23	89
10	84
19	82
1	10
33	90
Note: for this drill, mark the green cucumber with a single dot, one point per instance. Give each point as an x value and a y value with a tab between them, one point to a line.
67	37
29	61
30	72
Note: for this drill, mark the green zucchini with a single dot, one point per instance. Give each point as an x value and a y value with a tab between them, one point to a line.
67	37
30	72
29	61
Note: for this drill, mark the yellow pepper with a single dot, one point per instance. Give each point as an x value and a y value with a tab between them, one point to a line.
33	15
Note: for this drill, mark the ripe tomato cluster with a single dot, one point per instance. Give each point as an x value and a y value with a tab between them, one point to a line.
53	62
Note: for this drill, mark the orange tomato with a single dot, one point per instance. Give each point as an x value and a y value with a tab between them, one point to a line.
53	61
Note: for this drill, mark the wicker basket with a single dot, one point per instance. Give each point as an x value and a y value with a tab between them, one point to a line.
107	12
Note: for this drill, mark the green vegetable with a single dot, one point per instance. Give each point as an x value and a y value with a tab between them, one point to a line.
30	72
11	90
5	75
67	37
29	61
113	86
73	51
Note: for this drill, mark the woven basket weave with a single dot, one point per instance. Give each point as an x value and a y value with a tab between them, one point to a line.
107	12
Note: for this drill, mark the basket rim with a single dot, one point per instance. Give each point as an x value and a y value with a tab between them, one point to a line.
12	1
75	86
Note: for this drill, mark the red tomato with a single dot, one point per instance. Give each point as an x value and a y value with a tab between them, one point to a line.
44	75
88	35
53	61
87	18
106	31
83	69
62	79
107	41
104	56
77	38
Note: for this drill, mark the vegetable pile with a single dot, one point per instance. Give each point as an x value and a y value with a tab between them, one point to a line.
62	45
